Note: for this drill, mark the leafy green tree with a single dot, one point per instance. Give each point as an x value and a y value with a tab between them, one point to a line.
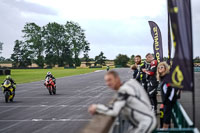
77	40
33	38
132	61
2	59
54	38
100	59
51	44
50	59
197	59
86	57
22	55
16	56
121	60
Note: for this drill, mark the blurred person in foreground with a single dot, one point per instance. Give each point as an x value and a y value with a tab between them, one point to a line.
132	102
168	93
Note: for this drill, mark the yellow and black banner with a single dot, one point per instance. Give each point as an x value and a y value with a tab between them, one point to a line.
181	75
157	45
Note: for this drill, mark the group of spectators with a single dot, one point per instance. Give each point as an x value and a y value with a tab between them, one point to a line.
136	99
151	76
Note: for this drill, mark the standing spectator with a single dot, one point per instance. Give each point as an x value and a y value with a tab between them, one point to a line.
169	94
132	101
152	82
138	74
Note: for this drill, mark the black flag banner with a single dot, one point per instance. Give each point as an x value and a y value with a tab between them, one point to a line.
181	73
157	45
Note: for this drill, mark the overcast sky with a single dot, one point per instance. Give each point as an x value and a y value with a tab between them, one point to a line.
111	26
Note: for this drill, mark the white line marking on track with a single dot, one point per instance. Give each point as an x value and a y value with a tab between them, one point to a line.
70	97
98	71
48	120
49	106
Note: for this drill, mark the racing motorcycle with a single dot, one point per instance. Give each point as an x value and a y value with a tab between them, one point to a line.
8	91
50	85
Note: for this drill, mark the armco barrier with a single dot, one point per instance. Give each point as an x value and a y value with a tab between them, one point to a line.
180	117
1	71
95	67
106	124
5	72
118	66
197	69
99	124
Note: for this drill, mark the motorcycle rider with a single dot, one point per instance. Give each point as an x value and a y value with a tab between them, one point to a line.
152	82
108	68
13	84
132	102
52	77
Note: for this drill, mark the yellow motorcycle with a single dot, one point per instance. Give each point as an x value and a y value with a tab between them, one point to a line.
8	91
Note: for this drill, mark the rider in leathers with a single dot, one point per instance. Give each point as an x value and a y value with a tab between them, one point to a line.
51	76
13	84
133	103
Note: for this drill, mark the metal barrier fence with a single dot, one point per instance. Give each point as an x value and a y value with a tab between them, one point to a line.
182	123
197	69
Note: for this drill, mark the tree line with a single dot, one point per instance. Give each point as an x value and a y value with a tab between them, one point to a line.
56	44
50	44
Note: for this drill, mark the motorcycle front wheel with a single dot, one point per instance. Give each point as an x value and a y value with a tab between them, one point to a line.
6	96
50	92
54	91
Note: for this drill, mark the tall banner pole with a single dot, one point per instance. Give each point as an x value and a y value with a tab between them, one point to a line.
169	39
192	61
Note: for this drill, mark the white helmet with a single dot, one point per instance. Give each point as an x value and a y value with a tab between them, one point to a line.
48	73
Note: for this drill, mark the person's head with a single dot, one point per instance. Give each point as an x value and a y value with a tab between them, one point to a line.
134	67
8	77
112	80
149	57
162	70
137	59
48	73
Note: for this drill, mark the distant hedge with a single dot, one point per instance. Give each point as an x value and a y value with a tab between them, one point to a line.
95	67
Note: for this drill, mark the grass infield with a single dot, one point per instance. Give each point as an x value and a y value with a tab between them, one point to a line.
30	75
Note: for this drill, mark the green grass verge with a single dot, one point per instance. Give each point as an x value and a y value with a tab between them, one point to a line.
31	75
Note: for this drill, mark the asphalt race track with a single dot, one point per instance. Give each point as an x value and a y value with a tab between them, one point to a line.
35	111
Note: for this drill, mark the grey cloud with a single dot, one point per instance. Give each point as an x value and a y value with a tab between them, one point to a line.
30	7
110	36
